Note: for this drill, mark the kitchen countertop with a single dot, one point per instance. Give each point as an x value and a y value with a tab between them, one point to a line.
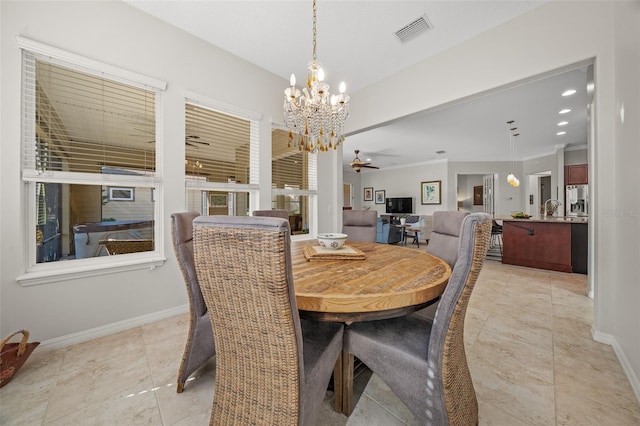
546	219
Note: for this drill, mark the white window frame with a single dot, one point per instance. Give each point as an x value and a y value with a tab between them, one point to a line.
252	188
312	193
43	273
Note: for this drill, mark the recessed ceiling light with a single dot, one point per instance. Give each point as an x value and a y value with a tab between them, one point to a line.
561	133
563	123
569	92
564	111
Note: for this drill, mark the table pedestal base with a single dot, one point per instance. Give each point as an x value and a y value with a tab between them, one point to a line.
350	378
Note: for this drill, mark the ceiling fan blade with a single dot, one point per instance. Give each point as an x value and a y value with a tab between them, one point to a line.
200	142
369	167
149	132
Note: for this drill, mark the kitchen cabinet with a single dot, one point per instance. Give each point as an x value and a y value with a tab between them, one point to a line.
577	174
579	245
557	244
537	244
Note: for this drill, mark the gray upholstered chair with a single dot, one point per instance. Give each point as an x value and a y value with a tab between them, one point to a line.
360	225
445	234
199	347
271	366
283	214
423	361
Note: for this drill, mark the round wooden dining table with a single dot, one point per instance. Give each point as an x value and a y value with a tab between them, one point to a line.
386	281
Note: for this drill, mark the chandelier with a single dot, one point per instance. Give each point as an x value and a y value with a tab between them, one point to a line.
511	178
314	117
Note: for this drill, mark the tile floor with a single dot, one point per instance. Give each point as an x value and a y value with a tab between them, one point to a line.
530	351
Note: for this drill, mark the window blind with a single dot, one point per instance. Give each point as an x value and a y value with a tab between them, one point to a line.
220	147
80	122
291	167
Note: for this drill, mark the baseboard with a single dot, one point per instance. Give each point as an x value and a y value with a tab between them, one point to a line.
105	330
624	362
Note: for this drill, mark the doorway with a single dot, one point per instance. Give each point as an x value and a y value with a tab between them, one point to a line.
476	192
347	196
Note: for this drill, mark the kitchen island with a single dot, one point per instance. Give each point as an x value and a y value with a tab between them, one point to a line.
553	243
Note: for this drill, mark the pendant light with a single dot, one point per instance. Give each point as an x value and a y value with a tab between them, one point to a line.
511	178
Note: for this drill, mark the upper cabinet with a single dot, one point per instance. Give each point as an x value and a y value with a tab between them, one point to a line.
577	174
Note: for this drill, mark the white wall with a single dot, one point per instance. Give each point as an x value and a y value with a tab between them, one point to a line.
621	302
576	156
117	34
405	182
519	50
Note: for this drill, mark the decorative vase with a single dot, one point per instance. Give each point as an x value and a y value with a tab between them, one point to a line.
403	220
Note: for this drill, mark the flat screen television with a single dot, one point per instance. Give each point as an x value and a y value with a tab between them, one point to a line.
399	205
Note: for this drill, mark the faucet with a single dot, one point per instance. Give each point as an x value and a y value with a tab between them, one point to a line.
558	204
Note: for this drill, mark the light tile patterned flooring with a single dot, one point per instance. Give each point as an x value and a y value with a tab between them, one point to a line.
530	351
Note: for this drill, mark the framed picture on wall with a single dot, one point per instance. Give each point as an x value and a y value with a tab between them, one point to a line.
121	194
380	196
477	195
431	192
218	200
368	194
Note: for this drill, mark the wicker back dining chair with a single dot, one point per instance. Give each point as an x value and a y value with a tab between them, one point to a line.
200	346
271	366
423	361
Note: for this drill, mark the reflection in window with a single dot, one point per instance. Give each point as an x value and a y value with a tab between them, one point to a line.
293	181
88	161
221	160
81	221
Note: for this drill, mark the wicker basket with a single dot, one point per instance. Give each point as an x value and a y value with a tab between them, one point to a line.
14	355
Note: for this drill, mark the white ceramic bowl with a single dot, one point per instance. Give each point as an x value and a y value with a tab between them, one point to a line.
333	241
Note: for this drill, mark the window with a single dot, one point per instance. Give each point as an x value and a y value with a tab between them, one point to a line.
293	182
221	158
88	158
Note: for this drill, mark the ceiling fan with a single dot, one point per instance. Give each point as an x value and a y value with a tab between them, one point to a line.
189	140
358	164
192	140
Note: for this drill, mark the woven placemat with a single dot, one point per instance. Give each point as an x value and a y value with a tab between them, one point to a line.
323	253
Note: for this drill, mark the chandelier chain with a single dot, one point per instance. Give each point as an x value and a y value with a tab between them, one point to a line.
314	31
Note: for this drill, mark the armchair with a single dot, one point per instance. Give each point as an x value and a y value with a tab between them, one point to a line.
386	233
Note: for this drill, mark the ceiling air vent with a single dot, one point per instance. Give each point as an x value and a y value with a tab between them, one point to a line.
414	29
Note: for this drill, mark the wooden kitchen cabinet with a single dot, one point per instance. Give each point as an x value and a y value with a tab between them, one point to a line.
577	174
537	244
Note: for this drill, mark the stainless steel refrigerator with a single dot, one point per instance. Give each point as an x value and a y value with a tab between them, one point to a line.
577	200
